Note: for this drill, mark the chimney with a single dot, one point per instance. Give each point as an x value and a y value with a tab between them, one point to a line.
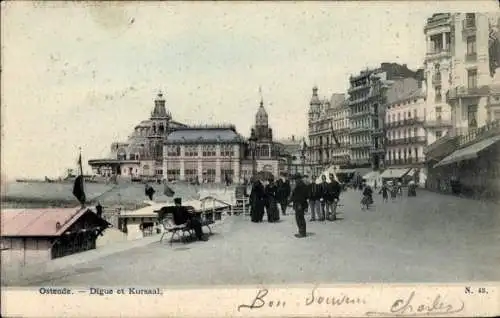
58	226
293	138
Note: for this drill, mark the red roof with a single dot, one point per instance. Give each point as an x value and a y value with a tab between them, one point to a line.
38	222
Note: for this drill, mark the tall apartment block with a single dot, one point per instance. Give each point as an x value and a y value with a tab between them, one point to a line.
459	67
367	104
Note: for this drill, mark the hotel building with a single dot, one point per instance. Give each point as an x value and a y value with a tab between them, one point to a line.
326	118
404	123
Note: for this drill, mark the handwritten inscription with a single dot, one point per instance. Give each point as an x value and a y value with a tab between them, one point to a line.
264	300
261	301
408	307
316	299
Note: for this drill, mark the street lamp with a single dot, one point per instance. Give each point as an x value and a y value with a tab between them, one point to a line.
303	158
253	143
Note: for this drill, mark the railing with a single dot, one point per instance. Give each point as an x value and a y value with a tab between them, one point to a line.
408	140
462	91
437	123
411	160
362	113
366	144
360	129
471	57
436	79
490	129
377	150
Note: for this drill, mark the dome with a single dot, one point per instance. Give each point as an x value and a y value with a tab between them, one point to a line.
315	99
261	118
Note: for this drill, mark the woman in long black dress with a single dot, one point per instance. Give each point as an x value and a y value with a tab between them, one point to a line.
271	203
257	201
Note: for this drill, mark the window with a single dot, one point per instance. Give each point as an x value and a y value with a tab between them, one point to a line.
415	113
191	151
227	151
173	151
415	132
438	97
208	151
472	78
472	116
470	20
438	113
439	133
409	114
471	45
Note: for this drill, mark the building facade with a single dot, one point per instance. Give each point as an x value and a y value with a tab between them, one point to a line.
367	103
405	133
266	154
327	120
141	156
204	154
462	54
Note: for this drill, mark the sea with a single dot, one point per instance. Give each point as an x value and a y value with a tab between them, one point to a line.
126	194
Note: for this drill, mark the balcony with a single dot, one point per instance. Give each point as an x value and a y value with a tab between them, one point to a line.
364	144
353	89
377	150
360	129
466	92
438	54
438	20
378	131
359	114
477	134
438	123
412	160
471	57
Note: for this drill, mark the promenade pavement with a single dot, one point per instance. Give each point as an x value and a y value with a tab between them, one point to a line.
428	238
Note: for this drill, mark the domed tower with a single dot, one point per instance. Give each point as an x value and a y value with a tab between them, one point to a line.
261	118
159	127
160	111
314	105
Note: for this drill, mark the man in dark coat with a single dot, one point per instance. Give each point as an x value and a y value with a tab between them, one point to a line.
323	189
283	193
181	216
315	199
334	189
299	198
257	201
99	209
149	191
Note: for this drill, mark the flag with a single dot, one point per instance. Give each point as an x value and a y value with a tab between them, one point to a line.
168	191
334	136
78	190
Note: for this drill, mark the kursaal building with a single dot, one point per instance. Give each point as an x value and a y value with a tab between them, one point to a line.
161	148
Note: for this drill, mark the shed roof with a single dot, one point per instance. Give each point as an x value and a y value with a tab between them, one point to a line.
39	222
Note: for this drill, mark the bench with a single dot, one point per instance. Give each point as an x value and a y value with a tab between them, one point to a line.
176	230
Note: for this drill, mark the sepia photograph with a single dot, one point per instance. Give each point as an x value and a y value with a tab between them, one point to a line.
164	145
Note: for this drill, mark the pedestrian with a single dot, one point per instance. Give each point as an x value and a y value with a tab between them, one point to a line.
299	199
283	192
333	197
149	191
257	200
323	189
367	197
99	209
314	199
385	192
271	189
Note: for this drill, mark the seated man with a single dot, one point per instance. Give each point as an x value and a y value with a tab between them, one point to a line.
181	216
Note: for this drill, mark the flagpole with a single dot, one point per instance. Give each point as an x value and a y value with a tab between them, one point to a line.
81	173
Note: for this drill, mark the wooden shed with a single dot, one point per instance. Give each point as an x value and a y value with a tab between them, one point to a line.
37	235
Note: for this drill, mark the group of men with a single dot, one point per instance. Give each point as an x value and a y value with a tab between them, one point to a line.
266	195
322	198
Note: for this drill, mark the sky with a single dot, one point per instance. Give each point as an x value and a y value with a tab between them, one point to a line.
84	74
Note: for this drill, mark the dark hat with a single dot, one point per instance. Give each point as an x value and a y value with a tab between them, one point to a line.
298	175
178	201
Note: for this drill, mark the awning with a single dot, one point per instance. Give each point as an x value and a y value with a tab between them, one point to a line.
394	173
469	152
